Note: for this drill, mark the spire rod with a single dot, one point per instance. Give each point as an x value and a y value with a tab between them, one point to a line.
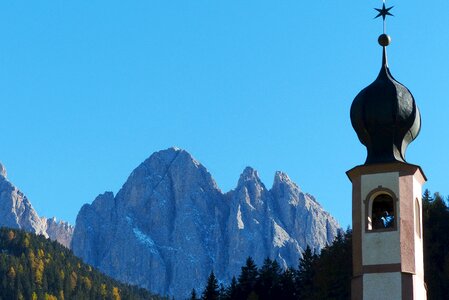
384	39
384	12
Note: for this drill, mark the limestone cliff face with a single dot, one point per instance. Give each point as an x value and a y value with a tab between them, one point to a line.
59	231
170	225
16	211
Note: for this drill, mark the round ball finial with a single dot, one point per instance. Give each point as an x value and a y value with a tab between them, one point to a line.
384	40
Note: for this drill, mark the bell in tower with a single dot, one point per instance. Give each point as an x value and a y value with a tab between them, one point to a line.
386	193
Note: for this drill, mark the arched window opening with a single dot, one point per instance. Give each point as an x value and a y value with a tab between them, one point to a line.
418	218
383	212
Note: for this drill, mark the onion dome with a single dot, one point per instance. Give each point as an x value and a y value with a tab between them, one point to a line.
385	116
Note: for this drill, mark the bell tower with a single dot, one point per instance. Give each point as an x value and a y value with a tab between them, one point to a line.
386	191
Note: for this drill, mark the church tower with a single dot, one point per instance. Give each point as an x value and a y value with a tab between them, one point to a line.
386	191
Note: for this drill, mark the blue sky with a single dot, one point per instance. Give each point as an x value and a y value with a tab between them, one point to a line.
89	89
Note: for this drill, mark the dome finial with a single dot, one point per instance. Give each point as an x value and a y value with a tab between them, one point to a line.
384	41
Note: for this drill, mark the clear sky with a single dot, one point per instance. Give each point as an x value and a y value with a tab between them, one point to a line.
89	89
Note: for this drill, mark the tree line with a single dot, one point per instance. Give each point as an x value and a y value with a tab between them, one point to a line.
327	275
33	267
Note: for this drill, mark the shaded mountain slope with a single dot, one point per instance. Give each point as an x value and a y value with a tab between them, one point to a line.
170	225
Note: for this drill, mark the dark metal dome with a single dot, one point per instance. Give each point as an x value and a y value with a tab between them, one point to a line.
385	118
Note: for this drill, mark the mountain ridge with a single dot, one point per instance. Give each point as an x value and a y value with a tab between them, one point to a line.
177	225
16	211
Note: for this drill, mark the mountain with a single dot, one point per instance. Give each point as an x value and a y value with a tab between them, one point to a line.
170	225
16	211
59	231
33	267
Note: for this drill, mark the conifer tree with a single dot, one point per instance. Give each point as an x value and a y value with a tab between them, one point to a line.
328	275
306	273
222	292
211	291
193	295
268	280
334	269
247	279
287	285
232	290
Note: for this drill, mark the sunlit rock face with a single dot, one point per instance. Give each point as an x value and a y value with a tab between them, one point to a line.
59	231
170	225
2	171
17	212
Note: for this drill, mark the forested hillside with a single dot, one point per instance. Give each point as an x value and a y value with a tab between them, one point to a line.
328	275
33	267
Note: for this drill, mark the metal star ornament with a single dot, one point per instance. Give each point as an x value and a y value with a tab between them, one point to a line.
384	12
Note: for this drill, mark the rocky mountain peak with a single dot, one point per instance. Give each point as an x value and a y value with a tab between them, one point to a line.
169	168
166	162
104	201
170	225
156	165
59	231
169	156
249	176
283	184
17	212
166	156
250	189
3	172
281	177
